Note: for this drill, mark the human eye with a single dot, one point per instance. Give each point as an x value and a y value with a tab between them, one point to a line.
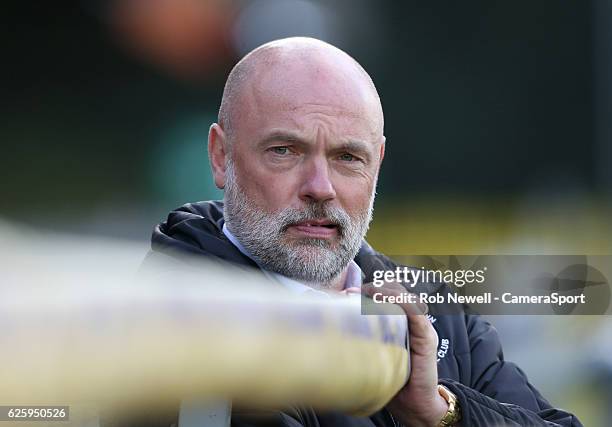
280	150
348	157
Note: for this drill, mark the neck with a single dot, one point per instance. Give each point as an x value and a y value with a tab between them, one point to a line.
337	284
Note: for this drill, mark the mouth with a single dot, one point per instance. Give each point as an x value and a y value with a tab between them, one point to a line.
318	229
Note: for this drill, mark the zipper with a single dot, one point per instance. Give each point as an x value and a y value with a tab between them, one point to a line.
392	419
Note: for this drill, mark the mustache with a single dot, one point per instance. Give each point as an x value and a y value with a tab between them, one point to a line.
336	216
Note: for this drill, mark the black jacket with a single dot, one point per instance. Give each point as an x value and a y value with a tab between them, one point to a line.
491	391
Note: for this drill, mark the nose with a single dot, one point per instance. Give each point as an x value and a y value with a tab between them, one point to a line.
317	185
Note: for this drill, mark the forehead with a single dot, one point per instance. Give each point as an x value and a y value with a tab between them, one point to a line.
310	96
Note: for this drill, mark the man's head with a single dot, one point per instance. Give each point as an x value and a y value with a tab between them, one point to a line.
297	149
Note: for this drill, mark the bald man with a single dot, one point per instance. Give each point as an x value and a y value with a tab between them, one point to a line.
297	149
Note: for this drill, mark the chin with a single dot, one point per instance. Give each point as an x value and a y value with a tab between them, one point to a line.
313	243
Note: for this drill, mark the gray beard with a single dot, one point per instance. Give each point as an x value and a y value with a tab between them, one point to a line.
316	262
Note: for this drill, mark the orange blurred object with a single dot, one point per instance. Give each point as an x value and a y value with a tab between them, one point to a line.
188	38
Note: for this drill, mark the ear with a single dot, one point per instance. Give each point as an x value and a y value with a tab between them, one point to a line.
217	154
382	151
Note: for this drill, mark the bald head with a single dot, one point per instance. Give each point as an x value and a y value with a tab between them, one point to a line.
298	70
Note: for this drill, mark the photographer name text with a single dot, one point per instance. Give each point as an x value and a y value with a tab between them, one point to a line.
486	298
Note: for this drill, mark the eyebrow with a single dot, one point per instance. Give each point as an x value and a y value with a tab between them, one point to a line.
281	136
352	145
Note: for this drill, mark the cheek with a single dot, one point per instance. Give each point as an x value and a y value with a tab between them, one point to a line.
267	191
354	195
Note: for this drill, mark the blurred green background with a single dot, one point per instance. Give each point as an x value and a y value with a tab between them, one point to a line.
497	121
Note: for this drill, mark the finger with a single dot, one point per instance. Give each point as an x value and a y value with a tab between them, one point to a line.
423	337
